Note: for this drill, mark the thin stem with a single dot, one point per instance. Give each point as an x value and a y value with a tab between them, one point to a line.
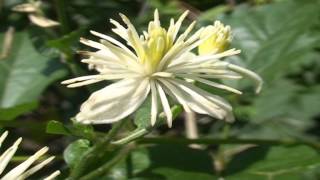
108	165
95	151
208	141
191	127
132	137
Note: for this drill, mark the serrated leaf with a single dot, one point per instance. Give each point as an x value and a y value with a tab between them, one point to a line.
270	38
279	163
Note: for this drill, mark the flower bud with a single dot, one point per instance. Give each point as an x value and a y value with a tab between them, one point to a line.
218	41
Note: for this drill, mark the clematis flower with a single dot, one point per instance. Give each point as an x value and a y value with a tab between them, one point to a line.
158	62
21	171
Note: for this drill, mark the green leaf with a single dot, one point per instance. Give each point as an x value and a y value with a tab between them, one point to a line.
11	113
177	163
73	153
24	74
55	127
142	118
170	162
270	38
67	42
211	14
275	163
76	129
143	115
275	43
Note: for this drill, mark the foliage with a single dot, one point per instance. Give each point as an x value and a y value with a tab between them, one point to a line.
275	135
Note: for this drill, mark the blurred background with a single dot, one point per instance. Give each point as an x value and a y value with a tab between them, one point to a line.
279	40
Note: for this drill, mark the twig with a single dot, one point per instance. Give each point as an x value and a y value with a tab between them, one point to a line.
95	151
208	141
108	165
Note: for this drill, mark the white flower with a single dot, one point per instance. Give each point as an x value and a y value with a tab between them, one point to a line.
159	65
21	171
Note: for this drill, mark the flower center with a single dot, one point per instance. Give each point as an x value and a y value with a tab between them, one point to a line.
156	44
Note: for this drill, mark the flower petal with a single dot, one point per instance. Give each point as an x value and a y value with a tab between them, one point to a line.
7	155
17	171
199	100
35	168
154	103
165	105
114	102
53	175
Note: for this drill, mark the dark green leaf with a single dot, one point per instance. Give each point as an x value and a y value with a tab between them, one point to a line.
279	163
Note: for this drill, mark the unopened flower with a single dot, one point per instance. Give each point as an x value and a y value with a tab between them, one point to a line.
22	171
35	14
160	62
218	41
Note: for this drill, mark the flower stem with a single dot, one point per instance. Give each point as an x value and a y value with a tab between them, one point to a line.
108	165
229	140
92	154
135	135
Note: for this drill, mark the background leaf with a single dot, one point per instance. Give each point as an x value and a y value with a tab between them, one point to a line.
24	74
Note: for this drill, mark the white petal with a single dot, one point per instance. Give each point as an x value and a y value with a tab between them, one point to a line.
165	105
7	155
52	176
114	41
114	102
133	37
35	168
154	103
17	171
202	102
245	72
211	83
195	90
78	79
195	104
178	24
3	137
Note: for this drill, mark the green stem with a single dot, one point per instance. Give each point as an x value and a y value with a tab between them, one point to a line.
208	141
94	153
132	137
108	165
62	15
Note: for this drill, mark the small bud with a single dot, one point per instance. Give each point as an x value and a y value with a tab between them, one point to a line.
218	41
